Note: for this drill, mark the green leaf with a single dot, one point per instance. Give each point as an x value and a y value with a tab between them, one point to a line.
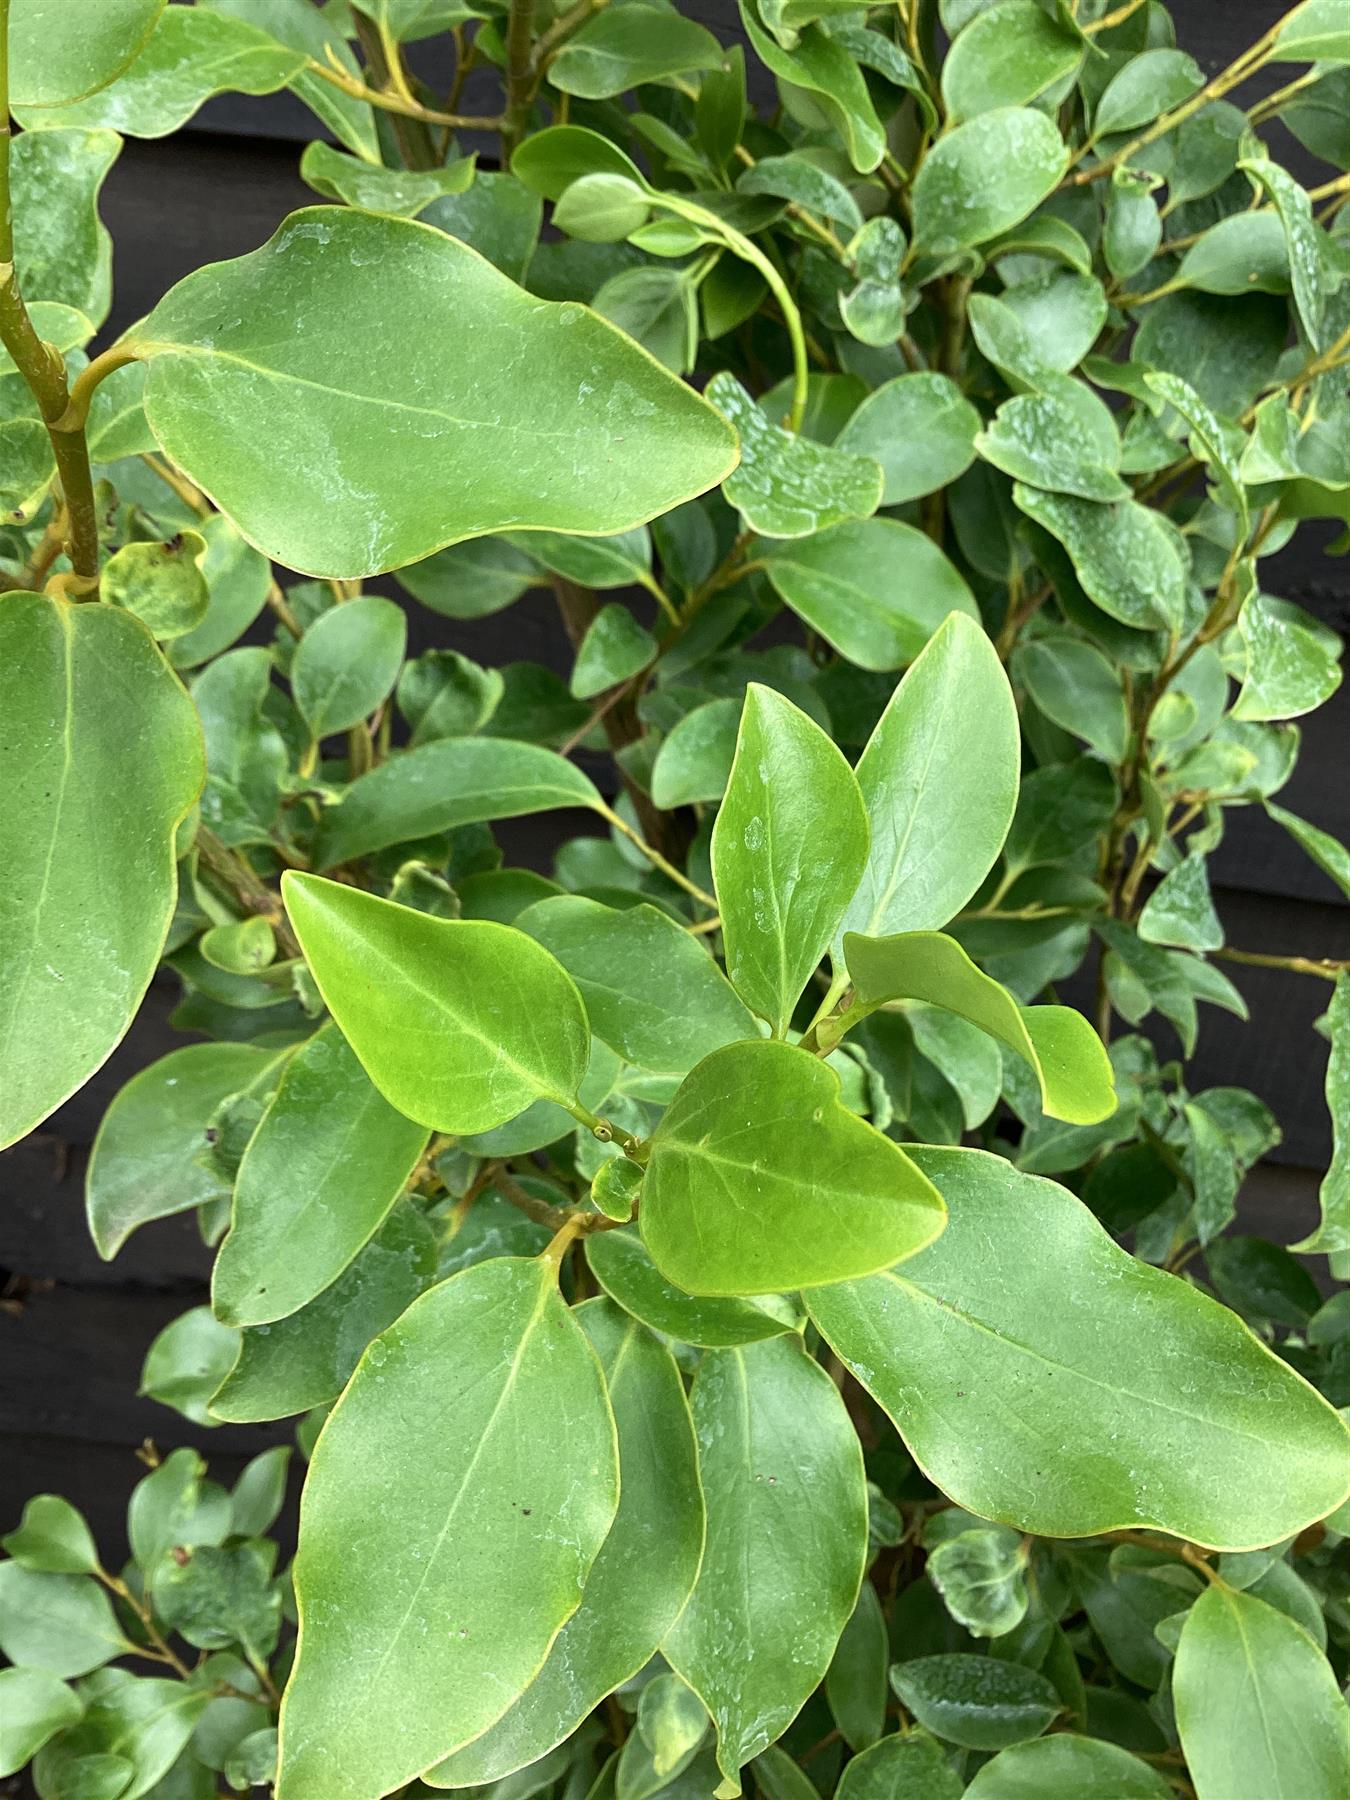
1062	808
855	1682
1063	439
760	1180
219	1595
651	991
471	580
236	582
1074	685
193	53
34	1706
803	183
981	1576
1123	554
1311	272
306	1359
602	208
1180	910
979	1702
832	81
1044	1379
397	193
1064	1767
644	1573
101	761
260	1492
786	486
479	1521
920	428
187	1362
783	1482
145	1161
984	177
62	251
614	648
1291	666
627	1273
466	1023
939	778
133	1725
347	662
53	1537
50	65
1330	855
619	50
1257	1705
1245	251
1332	1235
434	447
327	1162
1317	31
1071	1065
695	758
908	1765
61	1623
445	784
876	590
1010	53
304	28
1145	87
1215	1174
783	888
162	584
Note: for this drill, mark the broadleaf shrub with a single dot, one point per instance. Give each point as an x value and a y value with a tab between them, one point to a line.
757	1301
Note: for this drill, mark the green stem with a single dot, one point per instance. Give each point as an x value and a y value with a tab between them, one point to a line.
519	75
654	857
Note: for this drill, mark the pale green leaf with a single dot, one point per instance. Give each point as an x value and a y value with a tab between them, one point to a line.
1064	1767
61	1623
984	177
1317	31
695	758
53	1537
162	584
787	486
980	1574
1063	439
832	78
56	57
1145	87
236	582
1180	909
920	428
1332	1236
1291	667
347	662
621	1265
139	1723
187	1362
1124	555
614	648
398	193
628	45
1074	685
1009	54
34	1706
62	251
1330	855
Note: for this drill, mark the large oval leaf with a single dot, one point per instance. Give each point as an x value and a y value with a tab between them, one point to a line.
363	391
1044	1378
446	1530
760	1180
783	1480
984	176
328	1160
460	1023
60	52
646	1568
100	758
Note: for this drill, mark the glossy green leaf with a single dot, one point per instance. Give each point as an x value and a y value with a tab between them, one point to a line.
760	1180
1311	274
414	447
651	990
1074	684
193	53
187	1362
498	1022
1124	555
133	1725
876	590
62	250
1258	1708
1292	666
53	1537
148	1157
614	648
1317	31
803	183
646	1568
939	778
855	1682
908	1765
1010	53
55	57
786	486
782	887
1245	251
633	43
783	1482
1071	1066
442	785
34	1706
920	428
822	66
101	761
327	1162
347	662
161	583
1330	855
1063	439
472	579
1043	1378
979	1702
1144	88
398	193
621	1265
984	177
1180	909
980	1575
306	1359
1064	1767
447	1530
695	758
236	583
61	1623
1332	1235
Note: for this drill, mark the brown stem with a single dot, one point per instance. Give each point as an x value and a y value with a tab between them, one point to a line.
412	135
241	882
519	75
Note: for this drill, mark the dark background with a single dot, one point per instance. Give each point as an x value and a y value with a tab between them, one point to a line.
74	1330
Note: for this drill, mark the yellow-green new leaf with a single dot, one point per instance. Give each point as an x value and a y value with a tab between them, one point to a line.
456	1501
460	1023
646	1568
60	51
328	1160
100	758
472	407
760	1180
1259	1711
1069	1059
783	1480
783	883
1043	1378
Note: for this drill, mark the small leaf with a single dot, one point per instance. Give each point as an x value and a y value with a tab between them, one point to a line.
480	1522
187	1362
759	1180
981	1576
162	584
781	885
1063	439
908	1765
614	648
636	43
1291	665
1123	554
51	65
920	428
1024	1309
1332	1235
53	1537
855	1682
780	1464
694	761
621	1265
34	1706
1145	87
1180	910
984	177
1064	1767
461	1024
61	1623
347	662
1074	685
786	486
979	1702
398	193
1241	1665
1010	53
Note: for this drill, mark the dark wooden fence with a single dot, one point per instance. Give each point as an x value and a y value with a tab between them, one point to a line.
74	1330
